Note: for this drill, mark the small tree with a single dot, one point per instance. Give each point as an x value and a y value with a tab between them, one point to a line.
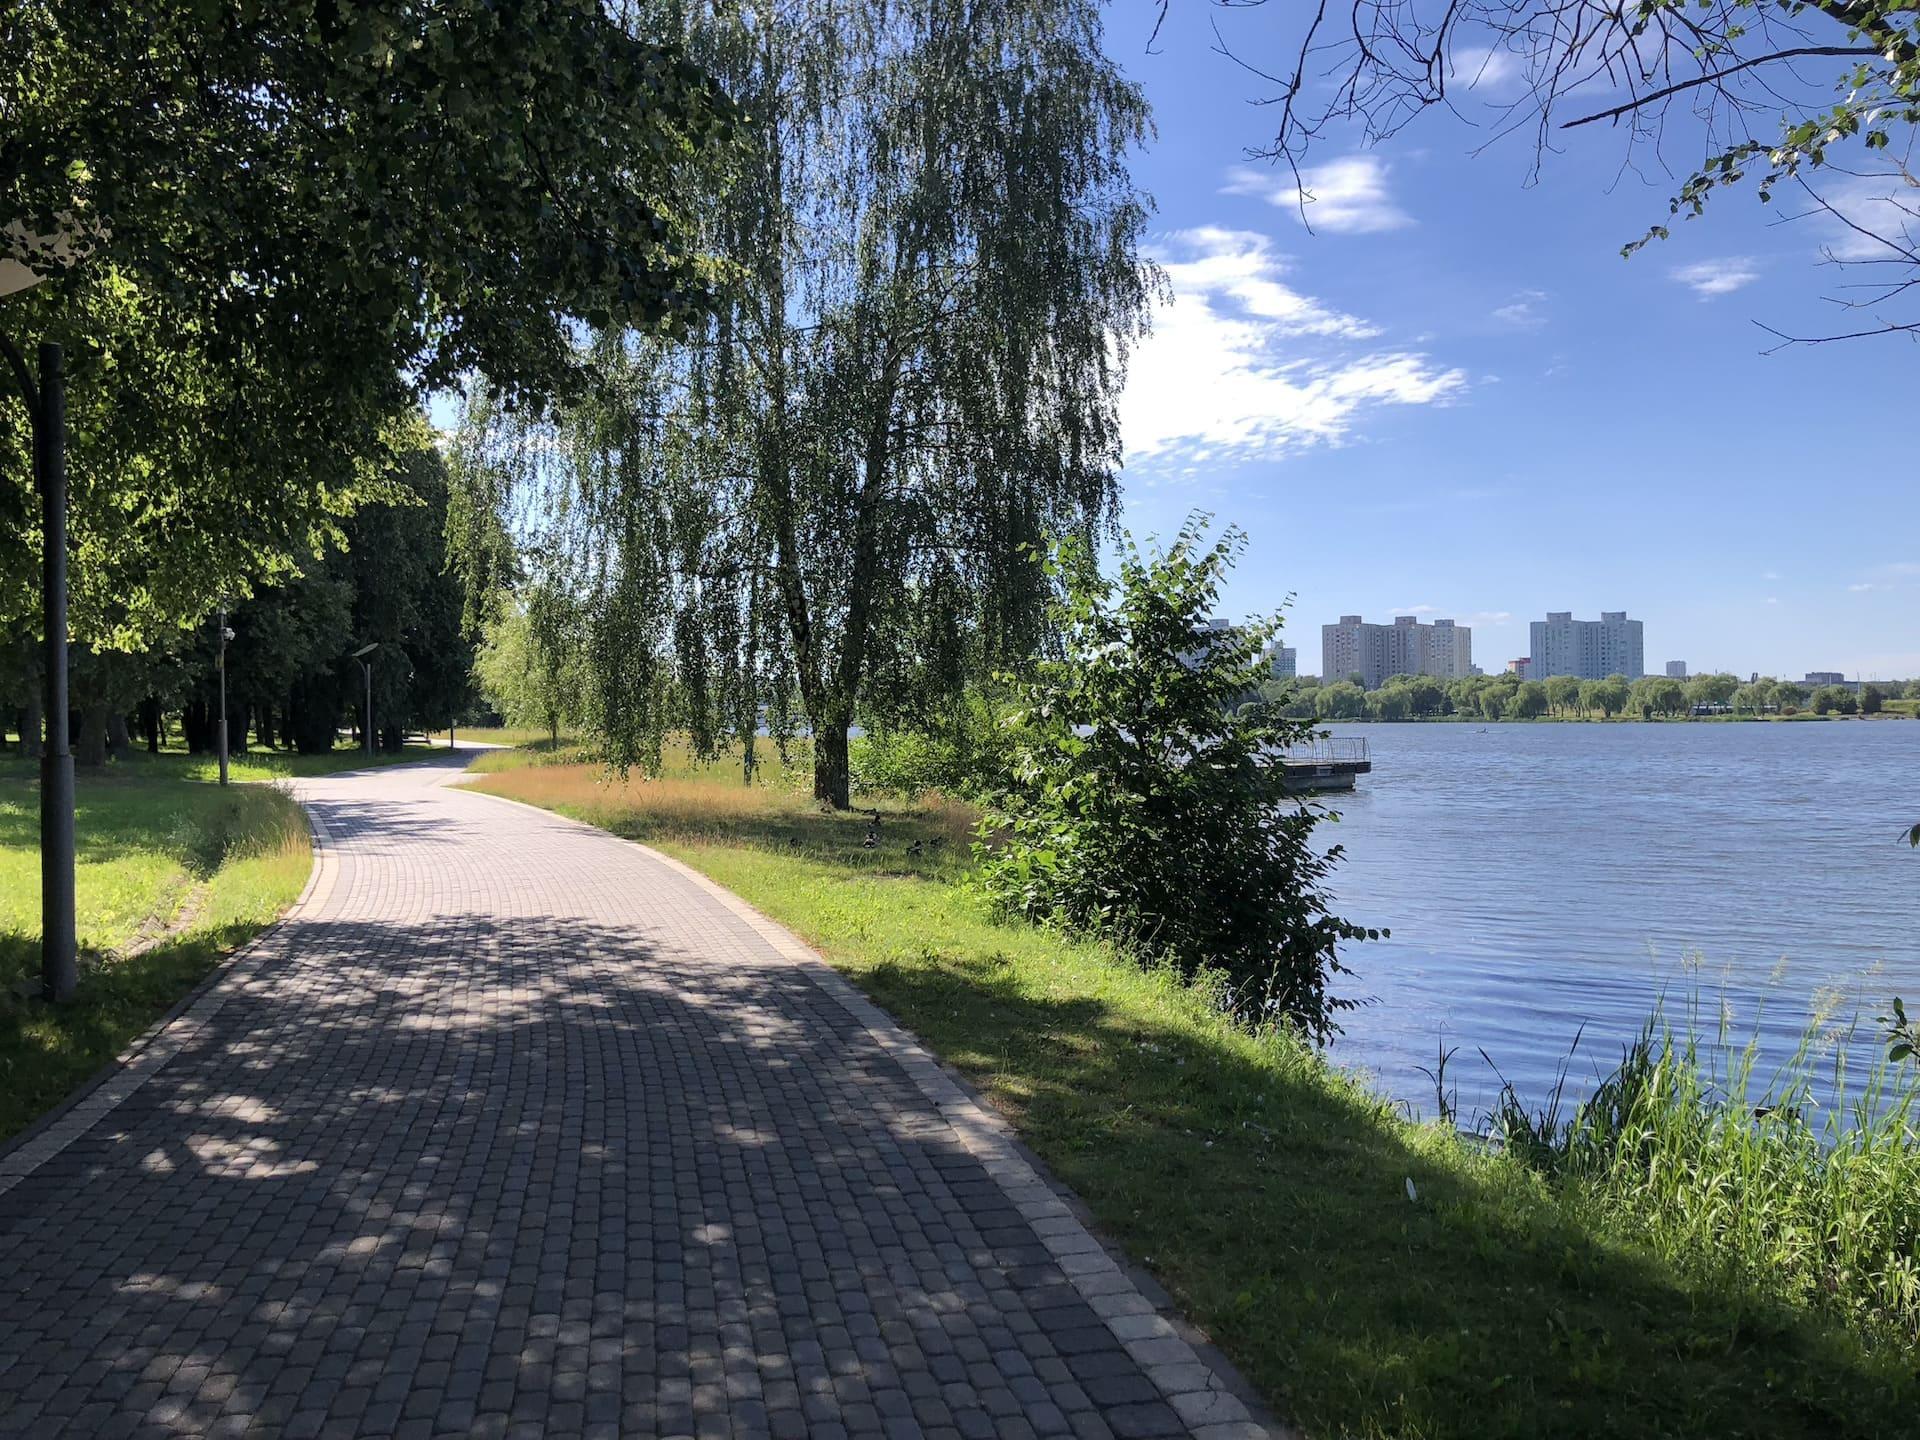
1608	696
528	665
1146	805
1342	700
1529	702
1563	692
1871	699
1831	699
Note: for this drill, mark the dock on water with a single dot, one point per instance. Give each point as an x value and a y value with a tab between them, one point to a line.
1331	762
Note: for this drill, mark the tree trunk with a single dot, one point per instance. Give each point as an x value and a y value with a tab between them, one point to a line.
119	742
237	716
33	724
830	771
196	724
92	749
150	723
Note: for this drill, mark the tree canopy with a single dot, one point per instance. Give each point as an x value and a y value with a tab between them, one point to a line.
279	223
841	483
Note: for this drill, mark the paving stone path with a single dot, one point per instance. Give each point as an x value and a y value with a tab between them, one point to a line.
515	1129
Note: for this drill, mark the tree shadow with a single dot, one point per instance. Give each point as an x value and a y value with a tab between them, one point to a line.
537	1169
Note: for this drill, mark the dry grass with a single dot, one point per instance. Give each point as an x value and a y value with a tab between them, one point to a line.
709	805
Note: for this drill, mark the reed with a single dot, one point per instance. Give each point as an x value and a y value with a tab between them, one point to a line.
1740	1175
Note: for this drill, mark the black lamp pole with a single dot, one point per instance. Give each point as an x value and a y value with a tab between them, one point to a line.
366	667
225	635
47	405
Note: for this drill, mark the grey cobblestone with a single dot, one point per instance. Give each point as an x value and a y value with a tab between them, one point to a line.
513	1129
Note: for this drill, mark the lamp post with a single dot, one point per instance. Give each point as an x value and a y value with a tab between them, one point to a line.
367	666
47	407
225	636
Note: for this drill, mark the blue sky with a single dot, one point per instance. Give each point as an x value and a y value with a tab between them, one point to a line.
1454	397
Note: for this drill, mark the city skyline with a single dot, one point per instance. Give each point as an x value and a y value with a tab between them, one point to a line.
1387	659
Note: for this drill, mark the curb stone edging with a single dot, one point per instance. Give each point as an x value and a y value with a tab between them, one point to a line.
1196	1380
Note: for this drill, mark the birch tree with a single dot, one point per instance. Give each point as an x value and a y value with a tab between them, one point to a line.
850	472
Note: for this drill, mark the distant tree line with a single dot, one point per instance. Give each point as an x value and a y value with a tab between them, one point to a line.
291	683
1567	697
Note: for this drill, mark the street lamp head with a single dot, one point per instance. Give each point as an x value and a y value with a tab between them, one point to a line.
365	650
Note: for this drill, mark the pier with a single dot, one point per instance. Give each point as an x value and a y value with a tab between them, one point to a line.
1328	763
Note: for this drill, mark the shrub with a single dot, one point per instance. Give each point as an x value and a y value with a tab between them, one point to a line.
1146	804
960	754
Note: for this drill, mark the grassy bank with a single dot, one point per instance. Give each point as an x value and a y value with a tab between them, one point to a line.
172	874
1373	1277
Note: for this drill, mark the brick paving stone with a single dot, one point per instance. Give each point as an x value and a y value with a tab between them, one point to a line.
514	1128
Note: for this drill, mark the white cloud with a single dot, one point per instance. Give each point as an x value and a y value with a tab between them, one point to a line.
1771	575
1347	196
1241	265
1488	618
1881	208
1894	575
1241	366
1523	312
1710	279
1415	609
1485	71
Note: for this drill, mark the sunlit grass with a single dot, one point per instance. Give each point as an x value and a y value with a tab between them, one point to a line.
172	874
1372	1276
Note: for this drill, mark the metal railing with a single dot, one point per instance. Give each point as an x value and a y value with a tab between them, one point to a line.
1329	749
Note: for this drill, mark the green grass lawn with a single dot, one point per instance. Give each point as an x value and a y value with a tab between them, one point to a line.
1371	1276
168	865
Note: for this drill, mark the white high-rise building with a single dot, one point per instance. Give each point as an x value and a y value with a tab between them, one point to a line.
1676	669
1590	649
1284	660
1406	647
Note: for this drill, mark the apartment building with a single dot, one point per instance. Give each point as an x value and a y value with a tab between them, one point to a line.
1590	649
1353	646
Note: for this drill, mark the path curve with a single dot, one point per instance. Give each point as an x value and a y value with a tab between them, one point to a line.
516	1129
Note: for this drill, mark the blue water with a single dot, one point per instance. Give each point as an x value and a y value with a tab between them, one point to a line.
1543	881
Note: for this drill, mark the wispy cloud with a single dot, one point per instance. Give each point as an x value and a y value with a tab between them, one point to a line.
1242	366
1485	71
1348	196
1869	215
1894	575
1710	279
1524	311
1488	618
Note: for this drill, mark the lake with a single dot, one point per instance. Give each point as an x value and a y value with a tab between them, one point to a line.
1542	878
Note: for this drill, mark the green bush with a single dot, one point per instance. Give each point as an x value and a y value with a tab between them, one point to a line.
1144	803
960	754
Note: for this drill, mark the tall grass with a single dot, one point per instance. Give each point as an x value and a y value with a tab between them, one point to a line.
1744	1179
244	822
